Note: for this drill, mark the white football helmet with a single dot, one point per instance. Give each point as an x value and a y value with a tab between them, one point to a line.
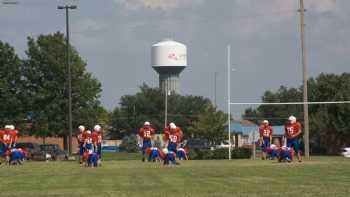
165	151
88	132
147	123
172	125
81	128
97	128
7	126
292	119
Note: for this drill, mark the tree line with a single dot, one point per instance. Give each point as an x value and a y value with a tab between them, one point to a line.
33	96
34	88
329	123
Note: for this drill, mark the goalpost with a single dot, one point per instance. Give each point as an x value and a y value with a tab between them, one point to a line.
229	103
305	102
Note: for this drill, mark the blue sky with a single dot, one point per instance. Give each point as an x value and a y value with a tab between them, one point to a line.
115	36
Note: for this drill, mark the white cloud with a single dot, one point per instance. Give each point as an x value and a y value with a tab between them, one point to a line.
156	4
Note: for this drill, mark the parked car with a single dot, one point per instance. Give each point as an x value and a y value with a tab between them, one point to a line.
53	151
197	143
345	152
225	144
33	149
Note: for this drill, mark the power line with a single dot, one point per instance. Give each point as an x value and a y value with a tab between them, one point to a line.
295	103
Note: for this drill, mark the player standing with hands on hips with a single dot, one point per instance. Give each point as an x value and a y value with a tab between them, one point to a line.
146	135
173	137
265	139
293	134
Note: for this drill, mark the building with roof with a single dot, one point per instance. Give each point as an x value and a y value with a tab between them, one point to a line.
246	132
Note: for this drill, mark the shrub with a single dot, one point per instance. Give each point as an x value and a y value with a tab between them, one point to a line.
221	153
129	143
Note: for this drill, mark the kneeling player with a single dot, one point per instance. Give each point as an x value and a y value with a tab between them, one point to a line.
169	157
272	152
285	154
181	153
92	159
153	154
16	156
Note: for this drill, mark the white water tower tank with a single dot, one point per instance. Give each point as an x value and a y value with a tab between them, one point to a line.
169	59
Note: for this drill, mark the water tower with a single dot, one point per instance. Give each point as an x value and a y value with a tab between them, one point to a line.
169	59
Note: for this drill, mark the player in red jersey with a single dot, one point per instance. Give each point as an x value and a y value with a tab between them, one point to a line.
146	137
7	142
2	146
14	136
173	136
293	134
265	139
81	138
1	135
88	142
97	141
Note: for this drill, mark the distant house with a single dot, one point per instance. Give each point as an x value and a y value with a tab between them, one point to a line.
246	132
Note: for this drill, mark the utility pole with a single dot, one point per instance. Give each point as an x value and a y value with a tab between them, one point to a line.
67	8
229	99
166	108
215	77
305	76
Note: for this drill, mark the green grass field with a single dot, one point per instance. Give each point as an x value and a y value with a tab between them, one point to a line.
323	176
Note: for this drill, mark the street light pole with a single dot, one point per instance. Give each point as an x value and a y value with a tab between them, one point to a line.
215	77
67	8
166	110
305	95
229	98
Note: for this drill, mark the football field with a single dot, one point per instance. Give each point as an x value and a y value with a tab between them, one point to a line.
323	176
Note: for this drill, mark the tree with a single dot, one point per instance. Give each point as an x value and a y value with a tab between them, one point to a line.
12	99
45	77
276	114
210	125
129	143
329	123
148	104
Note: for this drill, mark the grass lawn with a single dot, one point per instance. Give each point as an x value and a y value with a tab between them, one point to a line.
323	176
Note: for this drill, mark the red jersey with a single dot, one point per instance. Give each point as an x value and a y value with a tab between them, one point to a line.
13	134
1	134
81	137
291	129
88	139
146	133
265	132
173	137
97	137
178	132
7	138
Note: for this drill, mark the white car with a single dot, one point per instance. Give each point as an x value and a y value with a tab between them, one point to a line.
225	144
346	152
